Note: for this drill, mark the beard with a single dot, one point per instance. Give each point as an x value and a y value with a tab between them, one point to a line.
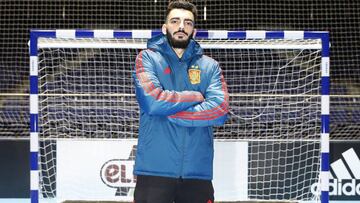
178	44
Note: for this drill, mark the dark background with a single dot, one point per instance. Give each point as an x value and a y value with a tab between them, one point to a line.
340	17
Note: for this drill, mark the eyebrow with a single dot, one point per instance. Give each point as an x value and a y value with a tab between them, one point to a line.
177	18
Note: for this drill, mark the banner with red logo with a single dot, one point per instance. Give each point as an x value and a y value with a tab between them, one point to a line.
102	170
95	170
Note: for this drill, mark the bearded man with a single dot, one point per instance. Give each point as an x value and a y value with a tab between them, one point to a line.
181	94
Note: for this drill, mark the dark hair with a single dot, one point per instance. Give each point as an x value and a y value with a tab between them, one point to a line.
181	4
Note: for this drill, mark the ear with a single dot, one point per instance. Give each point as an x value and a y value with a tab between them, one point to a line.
163	29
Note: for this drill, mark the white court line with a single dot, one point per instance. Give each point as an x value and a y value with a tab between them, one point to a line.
52	201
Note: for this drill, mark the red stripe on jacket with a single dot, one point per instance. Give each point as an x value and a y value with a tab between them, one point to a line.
209	114
157	92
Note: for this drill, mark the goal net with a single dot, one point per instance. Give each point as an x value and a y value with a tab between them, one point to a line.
86	94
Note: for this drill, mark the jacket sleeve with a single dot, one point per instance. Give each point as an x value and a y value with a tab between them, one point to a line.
151	96
211	112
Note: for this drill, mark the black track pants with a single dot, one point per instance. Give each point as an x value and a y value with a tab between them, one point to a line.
154	189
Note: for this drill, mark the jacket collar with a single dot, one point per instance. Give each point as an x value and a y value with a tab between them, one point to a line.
160	43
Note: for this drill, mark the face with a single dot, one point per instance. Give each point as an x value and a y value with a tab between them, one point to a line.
179	28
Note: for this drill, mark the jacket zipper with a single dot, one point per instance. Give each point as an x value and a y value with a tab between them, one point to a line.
183	140
183	154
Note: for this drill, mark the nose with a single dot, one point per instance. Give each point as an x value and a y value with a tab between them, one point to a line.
182	24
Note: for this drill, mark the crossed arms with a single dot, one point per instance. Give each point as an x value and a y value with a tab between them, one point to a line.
185	108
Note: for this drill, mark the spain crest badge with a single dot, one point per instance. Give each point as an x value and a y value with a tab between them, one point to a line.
194	74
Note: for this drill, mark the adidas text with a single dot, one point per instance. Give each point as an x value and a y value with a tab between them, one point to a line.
340	187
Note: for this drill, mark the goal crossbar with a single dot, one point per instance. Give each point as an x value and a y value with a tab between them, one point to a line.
206	44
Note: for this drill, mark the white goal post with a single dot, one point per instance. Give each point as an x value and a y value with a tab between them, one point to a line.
81	91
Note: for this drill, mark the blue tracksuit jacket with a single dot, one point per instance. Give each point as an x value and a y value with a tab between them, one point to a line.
180	100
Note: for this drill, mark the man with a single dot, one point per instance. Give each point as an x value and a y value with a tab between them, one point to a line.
181	94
